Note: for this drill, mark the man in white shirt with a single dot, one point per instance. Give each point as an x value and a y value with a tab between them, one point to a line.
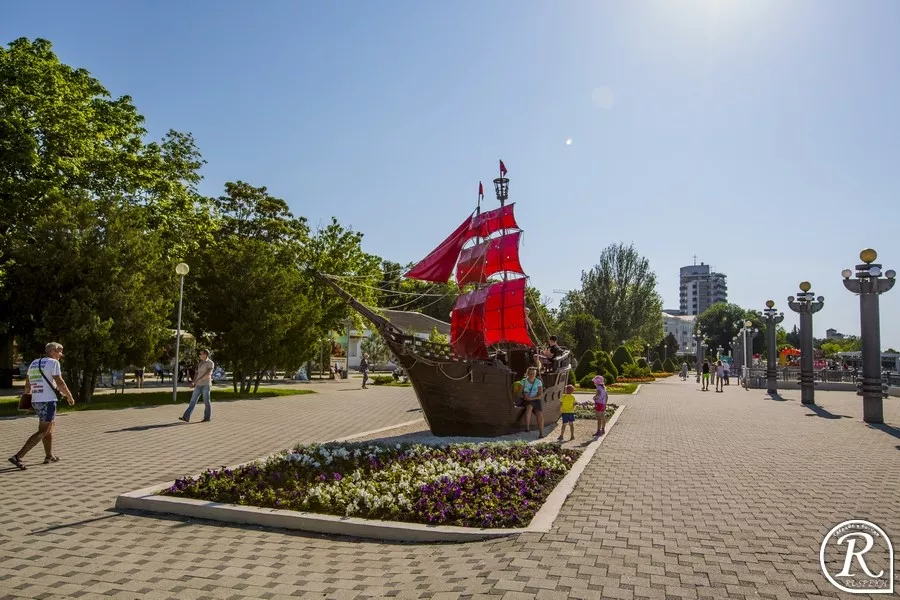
201	383
45	383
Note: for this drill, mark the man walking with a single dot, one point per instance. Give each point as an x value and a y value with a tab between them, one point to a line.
364	366
44	379
201	383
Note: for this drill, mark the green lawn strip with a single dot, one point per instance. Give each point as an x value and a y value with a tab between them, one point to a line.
9	406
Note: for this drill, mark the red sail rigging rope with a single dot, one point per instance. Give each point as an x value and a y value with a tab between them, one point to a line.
438	265
489	316
482	260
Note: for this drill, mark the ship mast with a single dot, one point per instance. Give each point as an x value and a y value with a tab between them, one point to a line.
501	190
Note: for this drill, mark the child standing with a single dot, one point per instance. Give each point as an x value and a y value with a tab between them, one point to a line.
720	376
600	405
568	412
705	376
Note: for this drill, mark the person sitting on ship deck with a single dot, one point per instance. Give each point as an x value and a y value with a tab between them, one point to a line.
550	354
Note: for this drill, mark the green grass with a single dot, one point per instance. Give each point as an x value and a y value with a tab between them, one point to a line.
9	406
616	388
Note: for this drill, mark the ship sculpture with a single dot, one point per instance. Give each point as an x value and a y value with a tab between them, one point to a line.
468	387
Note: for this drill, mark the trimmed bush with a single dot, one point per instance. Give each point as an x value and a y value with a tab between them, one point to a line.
642	363
669	365
657	366
585	364
572	380
605	364
609	378
635	372
622	357
586	382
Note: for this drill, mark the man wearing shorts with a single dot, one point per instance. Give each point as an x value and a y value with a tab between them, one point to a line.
44	379
705	376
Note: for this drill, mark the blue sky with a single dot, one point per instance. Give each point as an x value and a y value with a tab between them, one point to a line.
762	136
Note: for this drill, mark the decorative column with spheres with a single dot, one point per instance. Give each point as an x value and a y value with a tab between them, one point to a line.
805	305
773	318
869	285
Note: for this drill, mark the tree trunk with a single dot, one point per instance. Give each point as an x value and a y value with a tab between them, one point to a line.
83	384
234	380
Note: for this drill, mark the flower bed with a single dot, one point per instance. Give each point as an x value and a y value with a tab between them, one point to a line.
585	410
474	485
635	379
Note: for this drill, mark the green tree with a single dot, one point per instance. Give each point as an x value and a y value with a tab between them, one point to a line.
604	364
667	348
793	338
721	322
249	297
337	251
657	366
433	299
79	187
620	292
622	357
106	299
437	337
376	348
579	332
586	364
543	320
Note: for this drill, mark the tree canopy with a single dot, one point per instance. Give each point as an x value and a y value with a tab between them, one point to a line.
620	292
91	216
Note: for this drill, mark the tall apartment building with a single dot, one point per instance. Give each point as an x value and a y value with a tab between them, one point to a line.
699	289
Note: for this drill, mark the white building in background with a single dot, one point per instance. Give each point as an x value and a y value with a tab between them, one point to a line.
411	323
682	327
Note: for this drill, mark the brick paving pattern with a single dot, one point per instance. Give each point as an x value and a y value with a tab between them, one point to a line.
694	495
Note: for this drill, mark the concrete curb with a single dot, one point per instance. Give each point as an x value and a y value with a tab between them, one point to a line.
544	518
149	500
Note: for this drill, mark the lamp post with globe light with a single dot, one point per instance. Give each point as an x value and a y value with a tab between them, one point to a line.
806	307
869	285
181	269
773	318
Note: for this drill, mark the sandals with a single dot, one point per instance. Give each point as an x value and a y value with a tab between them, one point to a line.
51	459
17	462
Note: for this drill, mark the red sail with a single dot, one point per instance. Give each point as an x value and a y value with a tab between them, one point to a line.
438	265
489	316
494	220
481	261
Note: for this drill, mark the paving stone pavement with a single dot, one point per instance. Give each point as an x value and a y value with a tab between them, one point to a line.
694	495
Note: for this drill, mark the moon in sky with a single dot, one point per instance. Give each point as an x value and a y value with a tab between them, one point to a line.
569	142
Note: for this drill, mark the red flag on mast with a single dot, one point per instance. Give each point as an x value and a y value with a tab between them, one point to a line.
480	190
502	169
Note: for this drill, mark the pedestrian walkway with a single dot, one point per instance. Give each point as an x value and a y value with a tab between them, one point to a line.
694	495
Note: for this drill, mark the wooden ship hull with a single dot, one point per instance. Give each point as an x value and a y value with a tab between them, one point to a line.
466	397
